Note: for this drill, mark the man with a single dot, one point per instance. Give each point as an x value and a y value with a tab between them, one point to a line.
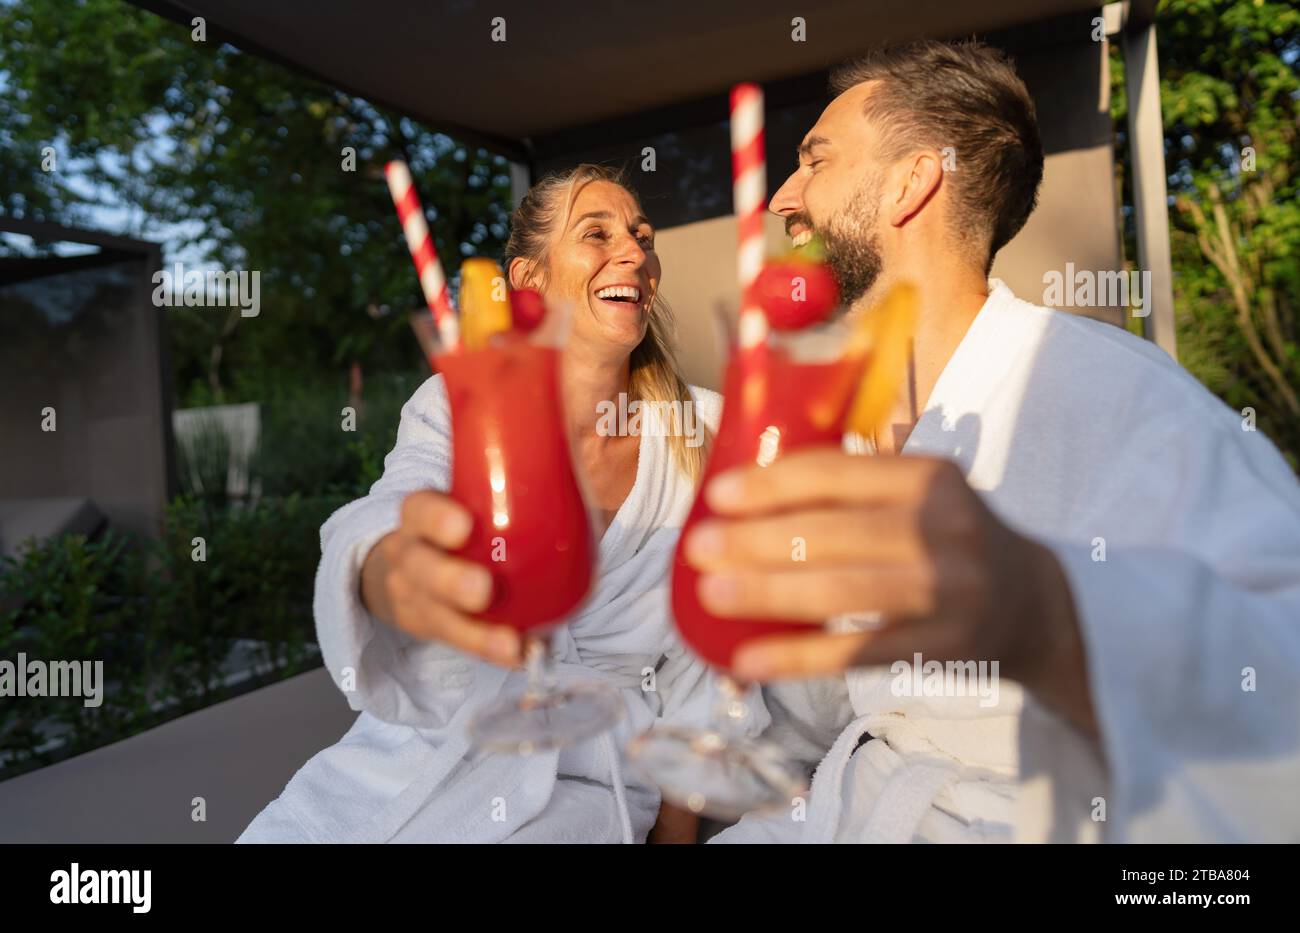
1071	511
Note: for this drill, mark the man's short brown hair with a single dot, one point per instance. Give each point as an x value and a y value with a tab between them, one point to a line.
964	95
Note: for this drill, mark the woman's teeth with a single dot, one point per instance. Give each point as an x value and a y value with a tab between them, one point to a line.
801	238
615	292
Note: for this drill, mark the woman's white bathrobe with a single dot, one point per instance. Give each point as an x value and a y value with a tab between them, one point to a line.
1178	527
404	772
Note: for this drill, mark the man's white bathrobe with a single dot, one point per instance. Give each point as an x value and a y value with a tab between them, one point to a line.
405	772
1179	531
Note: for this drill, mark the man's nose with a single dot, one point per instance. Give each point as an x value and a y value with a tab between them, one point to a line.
789	199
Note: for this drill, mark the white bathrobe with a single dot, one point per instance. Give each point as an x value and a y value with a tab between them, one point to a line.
1179	532
405	772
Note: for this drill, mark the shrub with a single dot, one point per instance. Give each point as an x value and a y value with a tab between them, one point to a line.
162	622
76	599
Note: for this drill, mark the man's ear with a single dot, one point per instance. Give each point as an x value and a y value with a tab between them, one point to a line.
520	275
918	181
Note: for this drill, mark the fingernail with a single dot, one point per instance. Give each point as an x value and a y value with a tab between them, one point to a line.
725	490
717	591
704	541
475	587
456	525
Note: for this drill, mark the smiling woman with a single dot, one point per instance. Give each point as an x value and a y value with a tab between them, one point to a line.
399	605
608	267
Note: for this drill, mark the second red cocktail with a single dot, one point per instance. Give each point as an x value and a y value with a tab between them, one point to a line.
792	391
771	408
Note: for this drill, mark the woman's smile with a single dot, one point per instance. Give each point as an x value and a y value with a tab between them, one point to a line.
622	297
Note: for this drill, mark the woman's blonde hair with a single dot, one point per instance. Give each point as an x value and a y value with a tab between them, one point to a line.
653	372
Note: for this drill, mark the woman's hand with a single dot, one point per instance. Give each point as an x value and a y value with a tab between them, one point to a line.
410	581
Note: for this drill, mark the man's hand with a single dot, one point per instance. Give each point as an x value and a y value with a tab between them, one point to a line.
904	536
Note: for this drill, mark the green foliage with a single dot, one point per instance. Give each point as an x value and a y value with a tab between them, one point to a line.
203	464
162	622
250	156
1230	86
76	599
256	581
303	447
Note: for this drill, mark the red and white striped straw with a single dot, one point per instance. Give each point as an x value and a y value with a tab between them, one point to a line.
432	280
749	191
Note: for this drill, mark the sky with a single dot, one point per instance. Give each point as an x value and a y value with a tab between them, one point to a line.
179	241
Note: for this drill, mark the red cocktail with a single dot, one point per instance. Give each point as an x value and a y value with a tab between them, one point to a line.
773	404
512	469
793	390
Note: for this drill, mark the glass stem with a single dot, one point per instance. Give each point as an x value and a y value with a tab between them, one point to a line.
537	664
731	711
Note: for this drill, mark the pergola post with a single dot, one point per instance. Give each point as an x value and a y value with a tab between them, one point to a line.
1147	160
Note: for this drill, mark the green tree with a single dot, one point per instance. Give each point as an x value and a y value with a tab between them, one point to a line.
1230	98
253	158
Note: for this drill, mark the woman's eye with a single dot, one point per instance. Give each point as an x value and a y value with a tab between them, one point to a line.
596	234
646	240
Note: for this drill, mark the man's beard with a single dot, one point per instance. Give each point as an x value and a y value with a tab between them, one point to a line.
851	243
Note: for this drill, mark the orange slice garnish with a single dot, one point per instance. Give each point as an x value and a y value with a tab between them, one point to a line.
484	303
885	332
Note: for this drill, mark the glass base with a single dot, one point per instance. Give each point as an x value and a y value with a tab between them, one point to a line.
718	776
530	721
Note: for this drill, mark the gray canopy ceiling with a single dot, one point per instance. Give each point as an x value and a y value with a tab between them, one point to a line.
566	66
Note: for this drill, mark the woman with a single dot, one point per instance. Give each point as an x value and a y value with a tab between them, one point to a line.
394	610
